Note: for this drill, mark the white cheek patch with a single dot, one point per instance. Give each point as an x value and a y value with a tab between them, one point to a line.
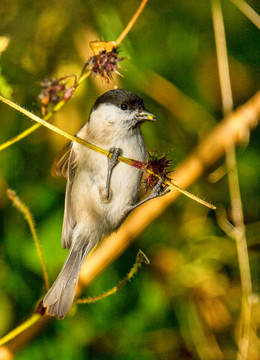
112	113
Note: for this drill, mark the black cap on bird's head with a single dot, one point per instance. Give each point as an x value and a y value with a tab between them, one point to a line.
125	100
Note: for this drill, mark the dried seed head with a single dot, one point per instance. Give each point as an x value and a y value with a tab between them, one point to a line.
53	91
104	63
159	165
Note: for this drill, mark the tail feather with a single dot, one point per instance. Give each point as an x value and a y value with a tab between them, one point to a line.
60	296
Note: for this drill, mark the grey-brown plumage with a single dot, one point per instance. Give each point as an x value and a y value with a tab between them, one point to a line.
91	211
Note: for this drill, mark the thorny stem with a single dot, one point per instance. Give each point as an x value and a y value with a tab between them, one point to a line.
138	164
233	182
28	216
140	258
131	22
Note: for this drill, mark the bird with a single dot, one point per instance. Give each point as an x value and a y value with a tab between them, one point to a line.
100	190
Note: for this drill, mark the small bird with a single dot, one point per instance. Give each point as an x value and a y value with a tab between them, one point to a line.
100	191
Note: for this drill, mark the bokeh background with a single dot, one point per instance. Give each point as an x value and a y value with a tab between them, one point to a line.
186	304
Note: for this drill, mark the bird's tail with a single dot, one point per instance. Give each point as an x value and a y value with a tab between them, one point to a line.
60	296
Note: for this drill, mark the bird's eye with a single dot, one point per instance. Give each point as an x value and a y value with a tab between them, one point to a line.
124	106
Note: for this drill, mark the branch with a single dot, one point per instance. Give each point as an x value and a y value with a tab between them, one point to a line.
135	163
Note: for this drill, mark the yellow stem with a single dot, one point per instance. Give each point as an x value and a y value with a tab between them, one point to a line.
47	117
21	328
233	183
189	195
19	137
83	77
131	22
52	127
131	162
250	13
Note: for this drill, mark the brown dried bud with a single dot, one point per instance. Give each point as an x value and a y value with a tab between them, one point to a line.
159	165
104	64
53	91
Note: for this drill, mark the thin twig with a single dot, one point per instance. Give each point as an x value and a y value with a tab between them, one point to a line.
28	216
242	251
140	258
188	194
131	22
222	58
250	13
233	182
51	127
20	329
138	164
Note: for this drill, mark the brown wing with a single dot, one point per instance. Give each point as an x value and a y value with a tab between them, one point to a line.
60	165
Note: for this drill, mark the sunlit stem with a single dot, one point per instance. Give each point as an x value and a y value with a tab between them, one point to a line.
233	181
47	117
250	13
21	328
52	127
131	22
131	162
28	216
83	77
189	195
140	258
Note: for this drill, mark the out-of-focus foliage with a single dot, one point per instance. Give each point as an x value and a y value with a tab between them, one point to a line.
186	303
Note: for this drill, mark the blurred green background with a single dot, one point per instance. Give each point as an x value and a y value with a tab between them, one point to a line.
186	304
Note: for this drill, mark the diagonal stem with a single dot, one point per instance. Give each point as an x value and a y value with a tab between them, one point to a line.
131	22
138	164
250	13
21	328
47	117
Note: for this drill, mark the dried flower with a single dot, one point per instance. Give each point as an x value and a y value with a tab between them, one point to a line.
53	91
105	60
159	165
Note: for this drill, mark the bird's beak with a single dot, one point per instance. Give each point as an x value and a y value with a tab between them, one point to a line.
145	116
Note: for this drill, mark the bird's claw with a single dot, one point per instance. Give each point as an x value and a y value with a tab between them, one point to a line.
112	160
159	190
